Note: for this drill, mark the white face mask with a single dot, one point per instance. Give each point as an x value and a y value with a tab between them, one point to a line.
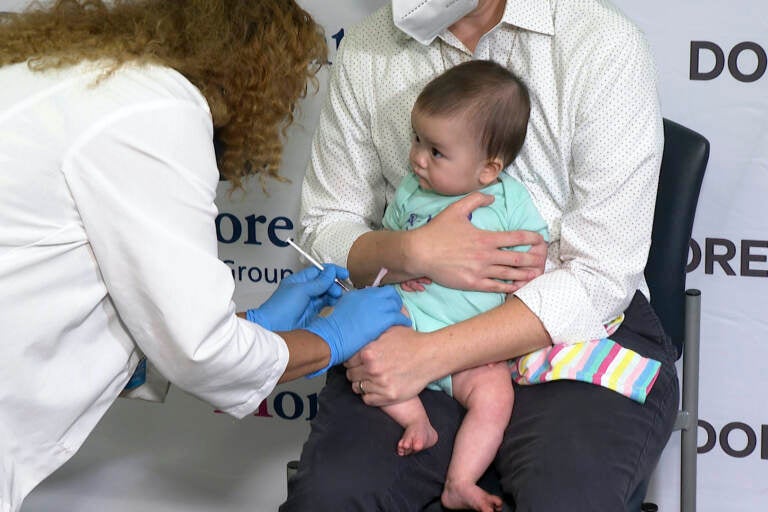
424	20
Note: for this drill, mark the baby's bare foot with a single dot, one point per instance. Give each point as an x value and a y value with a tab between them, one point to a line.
417	436
467	495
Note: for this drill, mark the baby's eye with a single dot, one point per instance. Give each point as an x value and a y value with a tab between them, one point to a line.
436	153
416	138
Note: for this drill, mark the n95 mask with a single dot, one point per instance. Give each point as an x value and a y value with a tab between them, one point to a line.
424	20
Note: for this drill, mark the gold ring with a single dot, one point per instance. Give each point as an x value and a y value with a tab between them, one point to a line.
360	387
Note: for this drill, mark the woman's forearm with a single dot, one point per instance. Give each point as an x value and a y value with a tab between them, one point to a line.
307	353
506	332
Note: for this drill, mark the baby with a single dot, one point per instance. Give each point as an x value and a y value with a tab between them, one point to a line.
469	124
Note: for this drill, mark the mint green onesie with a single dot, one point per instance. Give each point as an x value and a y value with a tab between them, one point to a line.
438	306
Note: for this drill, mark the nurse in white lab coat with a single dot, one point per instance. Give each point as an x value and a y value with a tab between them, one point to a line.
107	239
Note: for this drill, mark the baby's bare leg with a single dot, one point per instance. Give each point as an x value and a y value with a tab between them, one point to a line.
419	433
487	394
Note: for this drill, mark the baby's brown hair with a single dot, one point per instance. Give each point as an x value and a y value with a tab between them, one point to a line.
488	96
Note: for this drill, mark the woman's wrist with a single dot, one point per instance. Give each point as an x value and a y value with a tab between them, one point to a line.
307	353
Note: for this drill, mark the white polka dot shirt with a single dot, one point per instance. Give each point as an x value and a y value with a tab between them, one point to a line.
590	160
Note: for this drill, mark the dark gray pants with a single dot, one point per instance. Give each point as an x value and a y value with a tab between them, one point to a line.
570	446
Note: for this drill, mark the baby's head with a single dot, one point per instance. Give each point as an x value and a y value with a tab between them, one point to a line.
469	123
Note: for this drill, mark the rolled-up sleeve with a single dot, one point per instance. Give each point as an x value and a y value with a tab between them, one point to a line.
605	229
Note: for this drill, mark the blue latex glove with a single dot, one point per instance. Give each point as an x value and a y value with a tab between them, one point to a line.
358	318
298	298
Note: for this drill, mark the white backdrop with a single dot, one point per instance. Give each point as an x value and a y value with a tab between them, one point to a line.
711	59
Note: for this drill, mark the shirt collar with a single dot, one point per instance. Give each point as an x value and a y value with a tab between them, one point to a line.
533	15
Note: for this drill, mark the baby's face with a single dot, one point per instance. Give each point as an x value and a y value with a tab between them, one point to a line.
446	155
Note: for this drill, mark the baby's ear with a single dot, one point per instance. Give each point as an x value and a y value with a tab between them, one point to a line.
491	171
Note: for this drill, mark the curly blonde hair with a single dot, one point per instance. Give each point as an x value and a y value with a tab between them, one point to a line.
251	59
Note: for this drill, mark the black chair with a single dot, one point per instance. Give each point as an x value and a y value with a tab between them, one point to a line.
682	170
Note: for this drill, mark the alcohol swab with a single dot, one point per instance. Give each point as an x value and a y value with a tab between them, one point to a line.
316	263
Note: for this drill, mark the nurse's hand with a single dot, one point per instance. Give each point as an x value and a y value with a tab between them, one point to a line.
360	316
298	298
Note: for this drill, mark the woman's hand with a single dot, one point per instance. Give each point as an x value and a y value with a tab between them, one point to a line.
359	317
298	298
392	369
454	253
536	261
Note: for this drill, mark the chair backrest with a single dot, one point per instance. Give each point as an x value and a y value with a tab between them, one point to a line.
682	170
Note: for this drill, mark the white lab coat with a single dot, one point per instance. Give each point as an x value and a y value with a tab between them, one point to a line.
107	243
